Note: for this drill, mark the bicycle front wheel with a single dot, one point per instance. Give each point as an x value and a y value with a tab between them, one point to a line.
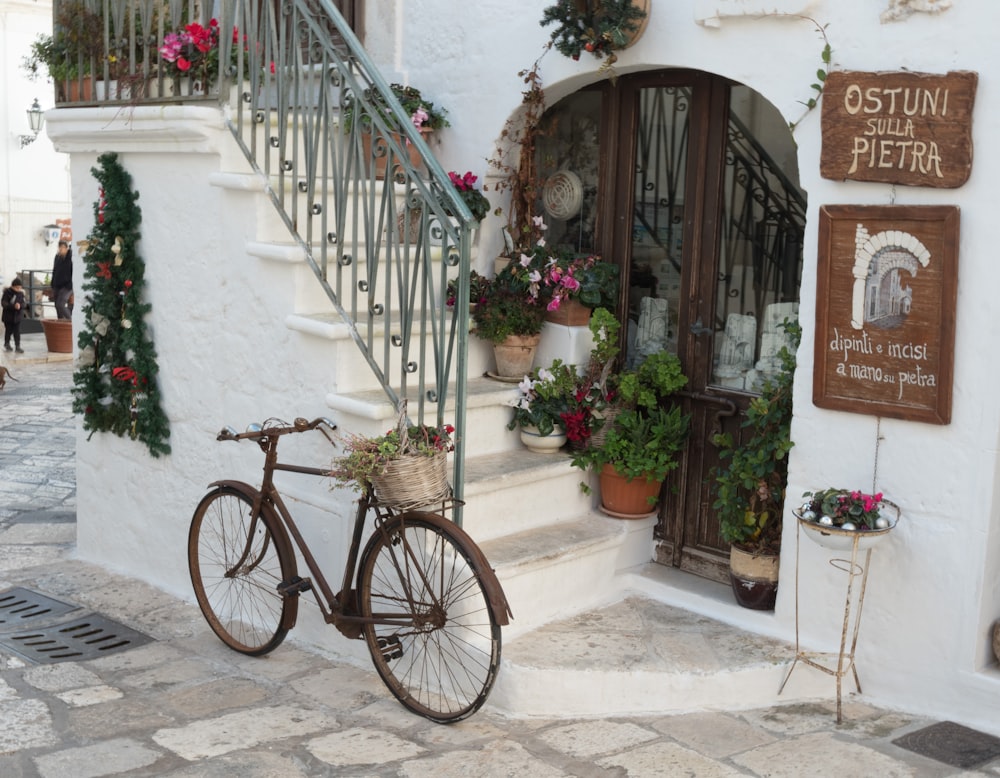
236	567
435	641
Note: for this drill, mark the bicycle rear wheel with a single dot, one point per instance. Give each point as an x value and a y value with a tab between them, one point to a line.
236	567
441	656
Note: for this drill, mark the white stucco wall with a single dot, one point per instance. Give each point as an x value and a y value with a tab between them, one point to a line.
933	591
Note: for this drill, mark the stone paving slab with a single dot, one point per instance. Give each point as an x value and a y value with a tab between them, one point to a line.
185	706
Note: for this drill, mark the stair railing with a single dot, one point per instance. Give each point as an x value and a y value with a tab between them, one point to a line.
316	119
319	124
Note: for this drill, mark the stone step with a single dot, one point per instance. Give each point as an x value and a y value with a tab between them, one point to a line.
574	561
637	654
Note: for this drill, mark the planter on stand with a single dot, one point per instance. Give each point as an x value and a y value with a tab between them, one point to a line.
533	440
515	356
58	335
754	578
626	499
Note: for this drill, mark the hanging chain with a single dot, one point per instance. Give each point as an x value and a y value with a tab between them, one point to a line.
878	440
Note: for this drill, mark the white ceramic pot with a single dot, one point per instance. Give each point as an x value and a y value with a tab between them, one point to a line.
533	440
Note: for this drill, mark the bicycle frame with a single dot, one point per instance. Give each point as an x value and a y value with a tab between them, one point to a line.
340	609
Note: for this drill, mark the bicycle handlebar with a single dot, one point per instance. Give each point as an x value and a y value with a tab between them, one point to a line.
260	431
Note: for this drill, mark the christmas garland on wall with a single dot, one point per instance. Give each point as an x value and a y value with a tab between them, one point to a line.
599	27
114	385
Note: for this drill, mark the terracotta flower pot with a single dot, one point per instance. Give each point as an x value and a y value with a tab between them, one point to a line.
58	335
515	355
380	162
626	499
571	313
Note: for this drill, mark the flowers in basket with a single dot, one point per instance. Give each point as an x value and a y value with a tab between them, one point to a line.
476	201
544	398
845	508
405	467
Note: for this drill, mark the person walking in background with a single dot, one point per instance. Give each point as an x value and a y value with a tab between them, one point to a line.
62	280
13	311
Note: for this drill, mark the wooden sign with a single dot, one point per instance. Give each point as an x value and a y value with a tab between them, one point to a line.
885	310
898	128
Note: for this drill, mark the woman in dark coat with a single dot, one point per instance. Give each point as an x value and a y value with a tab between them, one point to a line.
13	312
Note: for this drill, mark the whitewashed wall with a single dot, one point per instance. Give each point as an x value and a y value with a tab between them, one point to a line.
934	589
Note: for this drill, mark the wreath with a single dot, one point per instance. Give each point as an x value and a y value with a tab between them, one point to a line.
597	26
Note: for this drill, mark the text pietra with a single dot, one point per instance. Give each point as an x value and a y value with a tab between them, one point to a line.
904	128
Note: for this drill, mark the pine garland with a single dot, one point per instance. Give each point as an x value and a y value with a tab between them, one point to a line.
596	26
115	384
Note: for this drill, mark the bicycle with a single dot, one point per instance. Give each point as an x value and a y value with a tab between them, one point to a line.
426	601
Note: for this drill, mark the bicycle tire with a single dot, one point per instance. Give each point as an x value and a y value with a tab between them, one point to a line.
441	664
244	607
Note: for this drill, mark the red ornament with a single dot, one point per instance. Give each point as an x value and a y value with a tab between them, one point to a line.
128	283
124	374
104	270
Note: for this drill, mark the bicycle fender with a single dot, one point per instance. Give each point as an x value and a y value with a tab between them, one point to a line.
280	537
494	591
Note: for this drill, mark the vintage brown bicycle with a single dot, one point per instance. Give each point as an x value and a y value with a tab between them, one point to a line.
424	598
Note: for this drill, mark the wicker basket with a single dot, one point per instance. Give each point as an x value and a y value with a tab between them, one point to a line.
413	482
597	439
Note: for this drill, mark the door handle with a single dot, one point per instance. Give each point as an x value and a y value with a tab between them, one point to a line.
699	328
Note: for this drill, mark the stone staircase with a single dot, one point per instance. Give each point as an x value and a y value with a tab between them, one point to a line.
597	627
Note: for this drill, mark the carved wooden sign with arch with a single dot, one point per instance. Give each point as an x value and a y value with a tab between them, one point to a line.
885	310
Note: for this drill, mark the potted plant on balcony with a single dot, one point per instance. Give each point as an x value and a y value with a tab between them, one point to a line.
836	518
540	408
749	486
511	319
71	53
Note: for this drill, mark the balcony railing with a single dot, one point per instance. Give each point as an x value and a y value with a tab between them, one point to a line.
317	123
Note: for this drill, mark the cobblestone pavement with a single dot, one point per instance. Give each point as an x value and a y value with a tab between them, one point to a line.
185	705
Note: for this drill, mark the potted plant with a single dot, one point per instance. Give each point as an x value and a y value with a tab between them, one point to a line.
423	114
478	285
511	319
569	286
541	405
476	201
642	434
74	50
405	468
836	518
598	27
749	486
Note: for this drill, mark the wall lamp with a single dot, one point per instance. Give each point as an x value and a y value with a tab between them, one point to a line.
34	122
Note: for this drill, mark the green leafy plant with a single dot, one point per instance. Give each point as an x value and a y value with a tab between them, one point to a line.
640	444
826	55
659	375
422	112
749	485
477	289
544	398
553	275
366	457
74	48
598	27
506	308
476	201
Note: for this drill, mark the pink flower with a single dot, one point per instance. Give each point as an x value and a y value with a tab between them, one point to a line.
419	117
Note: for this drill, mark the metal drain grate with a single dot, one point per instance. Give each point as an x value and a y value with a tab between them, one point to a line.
952	744
86	637
19	606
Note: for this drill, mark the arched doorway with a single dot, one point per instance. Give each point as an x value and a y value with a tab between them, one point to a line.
690	183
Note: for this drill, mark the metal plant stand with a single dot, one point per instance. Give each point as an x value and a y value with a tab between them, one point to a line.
842	540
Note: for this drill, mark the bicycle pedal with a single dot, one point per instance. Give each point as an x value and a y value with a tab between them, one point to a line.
294	587
390	647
